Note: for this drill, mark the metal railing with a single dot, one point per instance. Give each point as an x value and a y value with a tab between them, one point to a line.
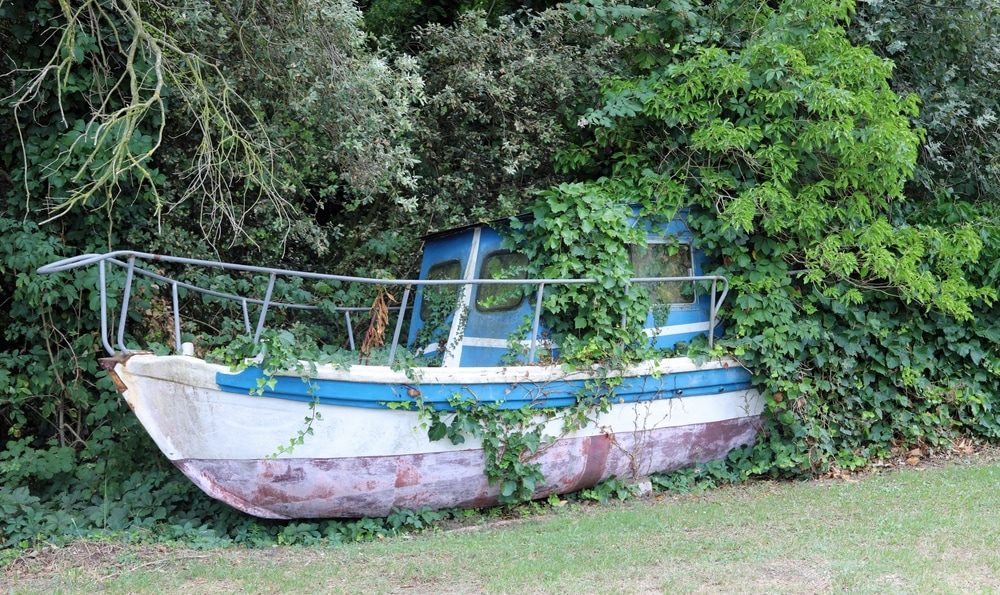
126	259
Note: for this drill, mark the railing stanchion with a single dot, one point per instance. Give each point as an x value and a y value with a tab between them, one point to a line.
246	315
534	323
399	324
263	308
104	309
350	329
628	290
126	294
177	316
712	308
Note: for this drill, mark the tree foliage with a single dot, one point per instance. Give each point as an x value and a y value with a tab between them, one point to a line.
204	110
793	132
796	149
948	54
500	101
398	21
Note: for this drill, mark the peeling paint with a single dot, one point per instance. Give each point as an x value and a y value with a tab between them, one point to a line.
373	486
366	461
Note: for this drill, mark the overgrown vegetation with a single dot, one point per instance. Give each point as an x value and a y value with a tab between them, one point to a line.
795	148
852	202
580	231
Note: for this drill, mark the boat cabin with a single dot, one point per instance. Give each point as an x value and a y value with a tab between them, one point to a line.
492	314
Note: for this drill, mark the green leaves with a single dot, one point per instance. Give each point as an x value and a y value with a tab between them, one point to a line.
509	437
500	101
584	231
795	131
796	150
437	430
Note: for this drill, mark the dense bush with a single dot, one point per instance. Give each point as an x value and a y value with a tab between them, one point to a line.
500	101
867	316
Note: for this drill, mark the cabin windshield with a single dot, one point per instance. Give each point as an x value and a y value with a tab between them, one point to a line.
665	259
438	298
501	264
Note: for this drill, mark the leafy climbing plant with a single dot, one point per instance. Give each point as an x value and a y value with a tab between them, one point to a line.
579	231
277	352
794	150
511	438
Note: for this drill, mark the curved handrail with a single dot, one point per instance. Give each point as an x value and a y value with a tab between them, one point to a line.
127	260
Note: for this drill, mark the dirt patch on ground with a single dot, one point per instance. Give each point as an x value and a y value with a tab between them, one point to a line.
91	560
960	452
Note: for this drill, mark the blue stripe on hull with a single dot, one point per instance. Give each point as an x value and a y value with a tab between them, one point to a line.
562	393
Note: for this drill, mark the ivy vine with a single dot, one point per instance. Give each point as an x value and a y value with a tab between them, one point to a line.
276	353
511	438
579	231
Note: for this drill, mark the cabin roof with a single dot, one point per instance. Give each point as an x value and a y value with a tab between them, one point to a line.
494	224
498	224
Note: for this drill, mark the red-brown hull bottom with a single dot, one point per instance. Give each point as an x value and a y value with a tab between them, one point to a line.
373	486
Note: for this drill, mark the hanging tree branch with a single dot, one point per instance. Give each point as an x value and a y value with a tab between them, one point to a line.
145	64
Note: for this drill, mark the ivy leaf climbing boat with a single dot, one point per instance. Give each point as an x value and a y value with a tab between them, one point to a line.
470	407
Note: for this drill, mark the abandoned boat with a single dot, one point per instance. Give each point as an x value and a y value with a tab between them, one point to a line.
368	449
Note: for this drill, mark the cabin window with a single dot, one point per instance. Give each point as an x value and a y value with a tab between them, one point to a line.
665	259
501	298
439	300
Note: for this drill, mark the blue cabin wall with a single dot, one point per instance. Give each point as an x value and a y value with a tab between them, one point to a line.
456	245
484	340
488	333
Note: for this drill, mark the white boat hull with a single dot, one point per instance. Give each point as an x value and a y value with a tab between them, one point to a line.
366	460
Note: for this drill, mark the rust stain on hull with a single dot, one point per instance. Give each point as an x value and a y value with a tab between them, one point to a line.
109	364
373	486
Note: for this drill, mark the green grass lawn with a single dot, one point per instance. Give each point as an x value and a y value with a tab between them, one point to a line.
935	530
